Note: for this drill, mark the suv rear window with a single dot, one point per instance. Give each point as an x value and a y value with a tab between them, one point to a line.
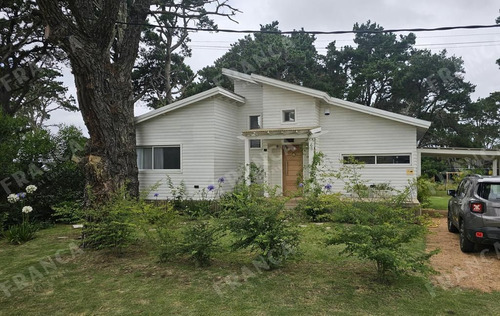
489	191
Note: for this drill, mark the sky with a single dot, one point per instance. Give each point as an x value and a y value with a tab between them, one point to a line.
478	48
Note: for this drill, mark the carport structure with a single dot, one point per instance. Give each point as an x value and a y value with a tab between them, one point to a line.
453	152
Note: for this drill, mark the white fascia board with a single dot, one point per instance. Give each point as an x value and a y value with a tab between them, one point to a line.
342	103
190	100
235	75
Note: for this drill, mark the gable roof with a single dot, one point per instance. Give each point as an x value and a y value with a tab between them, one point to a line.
256	79
217	91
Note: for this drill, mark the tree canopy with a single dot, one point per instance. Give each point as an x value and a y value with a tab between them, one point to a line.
381	70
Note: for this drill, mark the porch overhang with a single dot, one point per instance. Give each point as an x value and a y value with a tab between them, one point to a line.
283	133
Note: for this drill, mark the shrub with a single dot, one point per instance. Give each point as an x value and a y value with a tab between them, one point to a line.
68	212
259	223
384	234
200	241
110	226
158	225
425	189
323	207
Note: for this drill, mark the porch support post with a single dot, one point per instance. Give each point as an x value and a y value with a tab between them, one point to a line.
265	164
311	144
495	166
247	161
419	163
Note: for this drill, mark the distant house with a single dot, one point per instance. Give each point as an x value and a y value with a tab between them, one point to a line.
278	126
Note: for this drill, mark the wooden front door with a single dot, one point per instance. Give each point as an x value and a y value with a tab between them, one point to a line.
292	168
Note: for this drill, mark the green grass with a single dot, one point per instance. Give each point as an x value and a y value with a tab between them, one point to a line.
439	202
318	282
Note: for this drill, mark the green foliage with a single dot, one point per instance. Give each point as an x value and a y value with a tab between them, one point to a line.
68	212
110	225
425	189
320	208
383	232
21	233
387	243
200	242
158	225
259	223
311	184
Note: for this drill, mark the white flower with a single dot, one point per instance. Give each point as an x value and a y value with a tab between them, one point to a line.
31	188
13	198
27	209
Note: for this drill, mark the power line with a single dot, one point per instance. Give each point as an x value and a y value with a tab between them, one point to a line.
443	28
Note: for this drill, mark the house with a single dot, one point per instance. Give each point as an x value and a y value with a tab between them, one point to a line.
278	126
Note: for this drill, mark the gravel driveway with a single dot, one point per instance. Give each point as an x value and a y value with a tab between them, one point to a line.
479	271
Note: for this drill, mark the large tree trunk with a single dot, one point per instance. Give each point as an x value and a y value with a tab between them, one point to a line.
106	100
101	39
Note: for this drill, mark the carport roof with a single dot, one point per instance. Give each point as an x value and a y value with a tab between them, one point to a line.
455	152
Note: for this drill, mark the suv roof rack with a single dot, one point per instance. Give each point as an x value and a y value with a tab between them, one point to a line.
475	175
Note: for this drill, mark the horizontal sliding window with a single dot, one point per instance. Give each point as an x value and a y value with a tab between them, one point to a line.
368	160
388	160
377	159
168	157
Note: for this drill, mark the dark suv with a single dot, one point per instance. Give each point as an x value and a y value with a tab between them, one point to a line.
474	211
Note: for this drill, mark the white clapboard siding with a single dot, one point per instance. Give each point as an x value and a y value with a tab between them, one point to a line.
192	127
229	148
346	132
276	100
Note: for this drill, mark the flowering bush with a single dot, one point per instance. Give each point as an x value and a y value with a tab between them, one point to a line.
18	234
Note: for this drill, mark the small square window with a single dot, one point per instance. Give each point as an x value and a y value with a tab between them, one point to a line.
255	143
255	122
289	116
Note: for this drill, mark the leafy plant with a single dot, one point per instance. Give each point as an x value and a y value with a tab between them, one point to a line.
158	225
387	244
25	231
425	188
21	233
110	225
259	223
200	241
383	232
68	212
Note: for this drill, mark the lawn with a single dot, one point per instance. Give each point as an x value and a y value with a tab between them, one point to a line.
439	202
318	282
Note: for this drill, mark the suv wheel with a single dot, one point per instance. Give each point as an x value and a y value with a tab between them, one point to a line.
451	226
465	244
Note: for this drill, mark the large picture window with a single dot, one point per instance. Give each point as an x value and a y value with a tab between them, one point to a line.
161	157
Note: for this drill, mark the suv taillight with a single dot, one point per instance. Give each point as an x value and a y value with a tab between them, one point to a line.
477	207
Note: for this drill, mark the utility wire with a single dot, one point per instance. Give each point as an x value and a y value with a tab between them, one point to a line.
443	28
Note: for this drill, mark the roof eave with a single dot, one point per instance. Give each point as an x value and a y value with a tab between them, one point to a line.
190	100
342	103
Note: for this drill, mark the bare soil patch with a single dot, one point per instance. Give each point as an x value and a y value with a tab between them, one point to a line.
478	271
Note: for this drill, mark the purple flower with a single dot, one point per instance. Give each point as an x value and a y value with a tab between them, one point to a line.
21	195
221	180
211	187
328	186
301	185
157	195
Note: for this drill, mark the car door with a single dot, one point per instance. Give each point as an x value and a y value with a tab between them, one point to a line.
457	201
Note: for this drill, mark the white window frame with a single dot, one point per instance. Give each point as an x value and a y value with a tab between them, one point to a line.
261	121
260	147
376	159
283	116
153	157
